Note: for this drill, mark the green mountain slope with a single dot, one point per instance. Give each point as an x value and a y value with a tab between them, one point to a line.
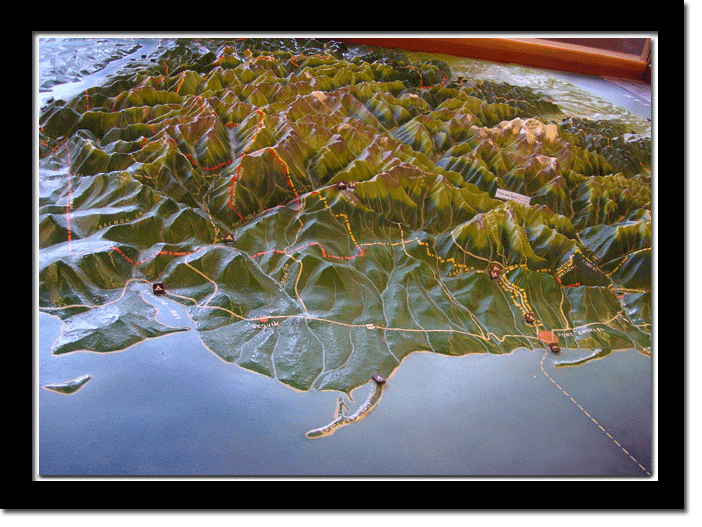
363	193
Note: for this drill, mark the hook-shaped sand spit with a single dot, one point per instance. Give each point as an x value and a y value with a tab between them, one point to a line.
341	419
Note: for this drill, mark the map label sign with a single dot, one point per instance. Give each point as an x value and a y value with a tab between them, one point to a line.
514	196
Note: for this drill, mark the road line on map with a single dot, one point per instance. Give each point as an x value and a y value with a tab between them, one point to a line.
297	293
216	288
515	291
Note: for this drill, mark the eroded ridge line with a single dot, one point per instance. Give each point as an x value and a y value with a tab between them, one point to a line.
69	203
590	417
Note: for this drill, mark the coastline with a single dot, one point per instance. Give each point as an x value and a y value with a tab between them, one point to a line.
158	409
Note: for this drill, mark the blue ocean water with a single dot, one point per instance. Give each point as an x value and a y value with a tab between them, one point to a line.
170	407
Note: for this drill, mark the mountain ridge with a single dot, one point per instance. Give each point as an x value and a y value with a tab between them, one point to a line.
361	196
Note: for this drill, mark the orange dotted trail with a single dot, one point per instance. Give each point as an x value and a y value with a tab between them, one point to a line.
357	253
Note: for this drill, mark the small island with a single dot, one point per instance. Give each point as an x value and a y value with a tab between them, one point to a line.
69	387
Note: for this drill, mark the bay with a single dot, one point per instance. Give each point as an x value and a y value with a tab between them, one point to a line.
168	406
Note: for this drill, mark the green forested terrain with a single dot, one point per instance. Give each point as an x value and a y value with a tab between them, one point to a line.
361	194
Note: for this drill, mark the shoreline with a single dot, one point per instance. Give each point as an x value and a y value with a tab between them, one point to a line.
156	401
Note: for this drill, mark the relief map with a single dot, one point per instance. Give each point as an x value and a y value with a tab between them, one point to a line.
324	211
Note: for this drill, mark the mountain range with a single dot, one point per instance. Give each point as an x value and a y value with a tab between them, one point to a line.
364	196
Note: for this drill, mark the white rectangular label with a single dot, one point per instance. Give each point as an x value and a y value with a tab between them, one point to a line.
506	194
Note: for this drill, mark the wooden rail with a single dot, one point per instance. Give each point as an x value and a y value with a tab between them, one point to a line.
531	52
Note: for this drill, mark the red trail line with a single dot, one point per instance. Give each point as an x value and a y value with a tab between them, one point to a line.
159	253
69	201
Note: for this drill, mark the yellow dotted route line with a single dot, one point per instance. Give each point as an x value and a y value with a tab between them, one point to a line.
516	292
341	214
439	258
619	266
624	260
402	241
591	418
